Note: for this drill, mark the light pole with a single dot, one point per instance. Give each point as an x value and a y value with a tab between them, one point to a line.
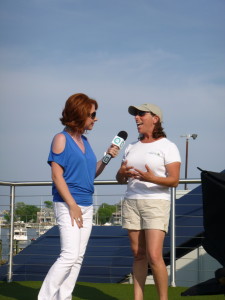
187	136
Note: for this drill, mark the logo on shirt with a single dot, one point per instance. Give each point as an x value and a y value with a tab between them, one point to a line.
155	153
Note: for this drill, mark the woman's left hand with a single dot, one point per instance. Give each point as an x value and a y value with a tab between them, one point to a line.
145	176
171	180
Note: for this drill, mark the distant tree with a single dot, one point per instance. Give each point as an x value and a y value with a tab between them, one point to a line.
7	217
48	204
26	213
105	212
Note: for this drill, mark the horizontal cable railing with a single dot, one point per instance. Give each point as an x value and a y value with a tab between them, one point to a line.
173	235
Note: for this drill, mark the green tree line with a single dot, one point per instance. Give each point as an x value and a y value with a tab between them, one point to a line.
26	212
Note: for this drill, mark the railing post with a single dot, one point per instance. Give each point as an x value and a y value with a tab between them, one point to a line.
172	239
12	210
0	250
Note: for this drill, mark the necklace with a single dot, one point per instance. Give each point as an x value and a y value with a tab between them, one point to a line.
75	138
79	142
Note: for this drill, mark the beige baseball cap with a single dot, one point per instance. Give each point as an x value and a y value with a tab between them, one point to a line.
146	107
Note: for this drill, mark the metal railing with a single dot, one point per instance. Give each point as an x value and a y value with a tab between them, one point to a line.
13	186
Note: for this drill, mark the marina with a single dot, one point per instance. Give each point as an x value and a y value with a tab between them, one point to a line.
22	237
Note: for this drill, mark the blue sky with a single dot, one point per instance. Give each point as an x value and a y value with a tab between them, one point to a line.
121	52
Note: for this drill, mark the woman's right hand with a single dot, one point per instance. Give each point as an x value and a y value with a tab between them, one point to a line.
125	172
76	214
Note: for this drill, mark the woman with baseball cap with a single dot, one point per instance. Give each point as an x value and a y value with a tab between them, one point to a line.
150	167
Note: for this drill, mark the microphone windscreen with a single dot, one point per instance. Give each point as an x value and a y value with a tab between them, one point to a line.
123	135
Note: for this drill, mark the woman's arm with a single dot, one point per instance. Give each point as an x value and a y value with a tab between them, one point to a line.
60	183
113	151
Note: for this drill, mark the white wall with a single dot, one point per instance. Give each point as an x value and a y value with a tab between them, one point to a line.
193	268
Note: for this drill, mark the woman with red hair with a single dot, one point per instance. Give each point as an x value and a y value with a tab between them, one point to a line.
74	168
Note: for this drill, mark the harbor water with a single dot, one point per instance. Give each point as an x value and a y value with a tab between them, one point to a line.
32	234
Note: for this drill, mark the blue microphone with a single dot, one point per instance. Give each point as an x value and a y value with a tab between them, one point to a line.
119	141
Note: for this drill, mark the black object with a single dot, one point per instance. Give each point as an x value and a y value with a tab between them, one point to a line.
213	193
208	287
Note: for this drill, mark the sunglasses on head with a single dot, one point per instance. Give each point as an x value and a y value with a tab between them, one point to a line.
92	115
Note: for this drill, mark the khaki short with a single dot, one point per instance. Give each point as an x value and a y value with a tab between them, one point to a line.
140	214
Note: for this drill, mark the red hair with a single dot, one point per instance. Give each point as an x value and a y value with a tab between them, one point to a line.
76	111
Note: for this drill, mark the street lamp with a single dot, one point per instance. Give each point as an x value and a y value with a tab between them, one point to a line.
187	136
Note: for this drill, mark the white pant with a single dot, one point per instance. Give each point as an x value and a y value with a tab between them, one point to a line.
62	276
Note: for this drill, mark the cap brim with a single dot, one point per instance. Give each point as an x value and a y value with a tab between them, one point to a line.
133	109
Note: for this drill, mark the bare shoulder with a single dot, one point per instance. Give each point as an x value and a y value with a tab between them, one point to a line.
59	143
